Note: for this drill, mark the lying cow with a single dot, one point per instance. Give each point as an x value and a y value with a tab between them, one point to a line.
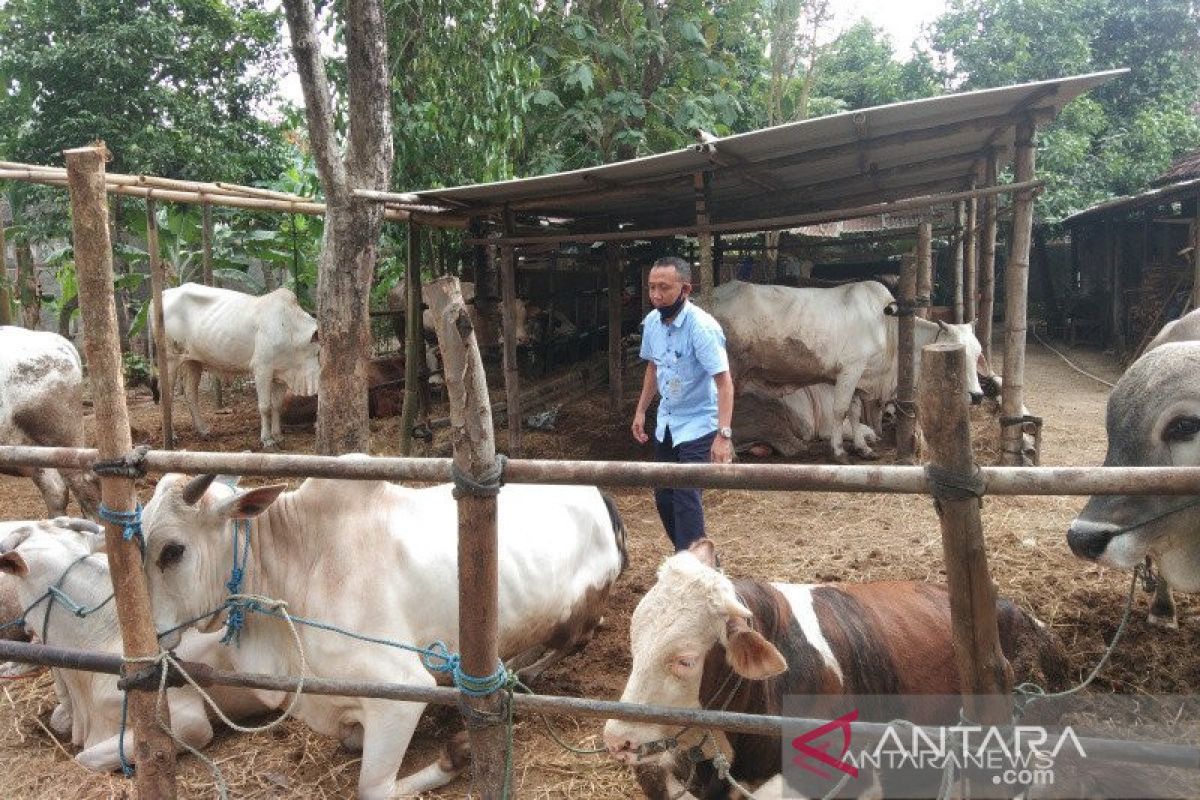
41	404
782	338
1153	420
763	422
269	337
66	553
385	394
560	550
701	640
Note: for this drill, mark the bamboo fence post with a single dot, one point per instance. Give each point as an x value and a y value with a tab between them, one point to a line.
924	268
971	261
906	420
1016	298
166	379
960	252
1195	256
615	352
5	286
986	676
478	581
987	265
206	245
508	321
704	281
414	343
154	750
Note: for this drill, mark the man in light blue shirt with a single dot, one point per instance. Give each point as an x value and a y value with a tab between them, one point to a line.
687	366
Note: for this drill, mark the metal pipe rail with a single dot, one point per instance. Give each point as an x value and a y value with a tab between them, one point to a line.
776	477
1163	755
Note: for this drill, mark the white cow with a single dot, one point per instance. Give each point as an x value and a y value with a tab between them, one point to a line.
41	403
764	421
781	338
67	553
269	337
380	559
487	329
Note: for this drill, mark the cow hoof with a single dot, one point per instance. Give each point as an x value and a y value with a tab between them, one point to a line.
60	720
1170	623
866	454
272	446
841	458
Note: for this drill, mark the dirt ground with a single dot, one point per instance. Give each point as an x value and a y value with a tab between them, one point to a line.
774	535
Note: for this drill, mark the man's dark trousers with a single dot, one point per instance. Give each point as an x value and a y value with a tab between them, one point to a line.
680	509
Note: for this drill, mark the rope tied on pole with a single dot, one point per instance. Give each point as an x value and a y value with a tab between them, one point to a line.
1024	419
438	658
898	308
486	484
952	484
132	465
130	522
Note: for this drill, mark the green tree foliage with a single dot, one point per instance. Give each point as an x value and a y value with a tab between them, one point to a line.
175	87
1115	140
859	70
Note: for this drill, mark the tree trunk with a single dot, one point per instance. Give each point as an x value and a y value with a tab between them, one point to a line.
120	265
27	285
350	247
5	288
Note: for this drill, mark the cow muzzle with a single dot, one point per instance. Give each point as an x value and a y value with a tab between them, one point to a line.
1089	540
976	398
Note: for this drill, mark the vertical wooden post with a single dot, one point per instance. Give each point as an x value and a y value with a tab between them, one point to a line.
906	421
1016	297
475	455
924	268
1196	257
703	281
27	285
1115	232
5	286
206	248
508	319
986	676
645	290
166	380
612	251
960	252
154	751
971	261
414	342
987	263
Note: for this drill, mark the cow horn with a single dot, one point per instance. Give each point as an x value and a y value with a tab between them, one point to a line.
196	488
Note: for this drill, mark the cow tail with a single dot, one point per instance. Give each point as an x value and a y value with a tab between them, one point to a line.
618	529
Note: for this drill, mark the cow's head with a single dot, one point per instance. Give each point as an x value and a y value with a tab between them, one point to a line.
1153	420
691	609
977	365
189	546
37	554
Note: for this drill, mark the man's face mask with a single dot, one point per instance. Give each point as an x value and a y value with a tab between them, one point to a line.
669	311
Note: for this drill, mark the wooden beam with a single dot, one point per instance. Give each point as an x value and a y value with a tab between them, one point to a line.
1196	257
5	285
987	265
166	378
906	420
924	269
971	261
705	280
508	321
959	261
154	750
1016	299
414	341
616	363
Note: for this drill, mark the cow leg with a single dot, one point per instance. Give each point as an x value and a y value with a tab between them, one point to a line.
843	395
264	387
387	729
278	393
857	430
456	756
53	488
1162	607
62	718
189	372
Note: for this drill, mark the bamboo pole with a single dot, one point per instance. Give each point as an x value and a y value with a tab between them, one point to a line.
5	286
971	262
508	321
1165	755
960	243
478	576
766	224
414	342
985	675
987	266
206	244
1016	298
924	268
166	378
154	750
1195	256
616	359
704	239
756	477
906	421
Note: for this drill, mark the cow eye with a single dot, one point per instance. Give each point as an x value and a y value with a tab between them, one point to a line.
1181	429
170	555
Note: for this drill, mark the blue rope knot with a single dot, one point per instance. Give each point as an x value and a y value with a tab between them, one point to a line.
468	684
131	521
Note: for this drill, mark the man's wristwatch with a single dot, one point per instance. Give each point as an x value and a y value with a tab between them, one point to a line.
726	432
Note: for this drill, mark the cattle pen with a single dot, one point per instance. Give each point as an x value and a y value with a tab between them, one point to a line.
953	480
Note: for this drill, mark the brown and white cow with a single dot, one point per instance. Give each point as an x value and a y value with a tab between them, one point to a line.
702	640
41	403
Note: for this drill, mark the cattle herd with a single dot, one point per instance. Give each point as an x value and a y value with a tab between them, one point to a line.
381	560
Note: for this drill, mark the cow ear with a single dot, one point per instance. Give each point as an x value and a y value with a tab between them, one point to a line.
252	502
13	564
705	551
749	653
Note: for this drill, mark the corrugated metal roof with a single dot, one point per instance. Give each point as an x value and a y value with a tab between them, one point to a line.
1159	196
857	157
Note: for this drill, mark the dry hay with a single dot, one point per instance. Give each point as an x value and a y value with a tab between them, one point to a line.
774	535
